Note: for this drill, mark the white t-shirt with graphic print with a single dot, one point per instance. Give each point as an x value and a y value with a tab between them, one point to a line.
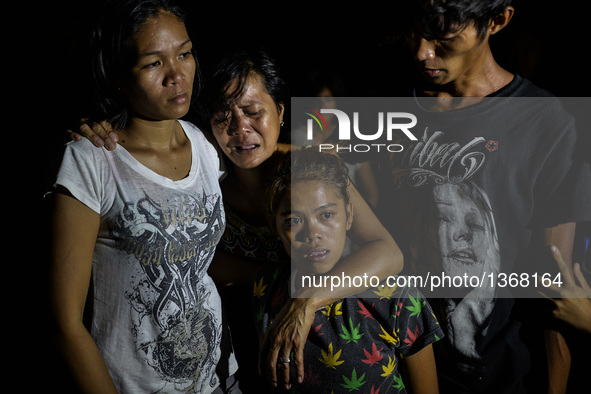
156	314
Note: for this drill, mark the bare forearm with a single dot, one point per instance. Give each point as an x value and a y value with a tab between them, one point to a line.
378	255
86	364
559	361
372	264
75	229
558	354
422	371
562	236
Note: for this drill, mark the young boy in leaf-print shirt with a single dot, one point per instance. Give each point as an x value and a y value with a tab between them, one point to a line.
356	344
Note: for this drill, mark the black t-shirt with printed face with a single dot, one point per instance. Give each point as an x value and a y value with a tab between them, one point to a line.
470	196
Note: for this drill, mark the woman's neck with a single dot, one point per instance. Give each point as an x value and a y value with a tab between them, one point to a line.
244	193
249	178
253	179
162	146
152	135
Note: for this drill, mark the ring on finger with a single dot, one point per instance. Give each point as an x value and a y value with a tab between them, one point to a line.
285	360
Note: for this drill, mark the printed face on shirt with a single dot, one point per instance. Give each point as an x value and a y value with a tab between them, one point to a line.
312	223
248	133
463	232
160	84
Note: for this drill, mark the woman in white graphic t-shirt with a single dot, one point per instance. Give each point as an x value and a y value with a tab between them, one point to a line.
135	229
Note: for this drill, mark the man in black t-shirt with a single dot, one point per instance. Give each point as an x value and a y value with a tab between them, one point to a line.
492	177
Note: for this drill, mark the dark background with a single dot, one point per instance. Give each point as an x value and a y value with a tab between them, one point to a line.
545	42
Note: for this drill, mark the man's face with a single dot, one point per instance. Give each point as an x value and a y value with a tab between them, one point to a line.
457	57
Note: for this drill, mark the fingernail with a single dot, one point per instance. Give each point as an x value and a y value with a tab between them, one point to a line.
110	145
300	379
553	249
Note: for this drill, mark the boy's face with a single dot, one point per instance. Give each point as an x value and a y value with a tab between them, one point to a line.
458	57
312	223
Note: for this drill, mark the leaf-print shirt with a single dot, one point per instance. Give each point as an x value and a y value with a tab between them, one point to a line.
355	344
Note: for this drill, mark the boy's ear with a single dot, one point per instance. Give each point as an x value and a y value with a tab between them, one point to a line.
349	210
501	20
